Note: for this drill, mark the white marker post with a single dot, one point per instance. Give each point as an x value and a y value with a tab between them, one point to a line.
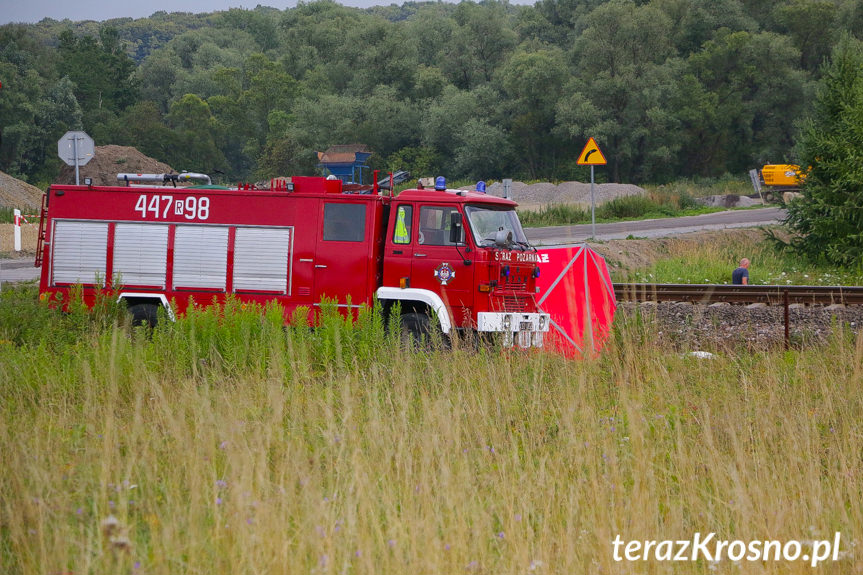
17	214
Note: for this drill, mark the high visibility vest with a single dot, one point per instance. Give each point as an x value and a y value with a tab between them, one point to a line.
401	235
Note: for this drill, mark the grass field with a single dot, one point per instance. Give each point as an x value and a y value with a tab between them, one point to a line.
225	443
693	258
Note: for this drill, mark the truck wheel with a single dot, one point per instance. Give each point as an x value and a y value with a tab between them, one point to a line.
144	314
416	328
418	332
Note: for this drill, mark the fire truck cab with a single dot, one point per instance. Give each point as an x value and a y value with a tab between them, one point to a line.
451	259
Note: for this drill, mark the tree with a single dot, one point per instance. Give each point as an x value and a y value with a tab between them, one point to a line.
533	83
196	131
737	101
625	81
482	151
100	70
812	25
829	217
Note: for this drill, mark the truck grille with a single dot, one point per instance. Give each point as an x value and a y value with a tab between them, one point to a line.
510	302
516	285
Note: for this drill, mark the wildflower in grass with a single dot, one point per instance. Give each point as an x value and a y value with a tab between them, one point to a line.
221	483
218	500
518	516
79	511
357	553
223	445
500	535
391	543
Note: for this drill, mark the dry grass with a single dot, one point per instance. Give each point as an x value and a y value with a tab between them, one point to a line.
248	449
29	235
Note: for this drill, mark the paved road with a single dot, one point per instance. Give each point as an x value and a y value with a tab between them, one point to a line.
562	235
20	270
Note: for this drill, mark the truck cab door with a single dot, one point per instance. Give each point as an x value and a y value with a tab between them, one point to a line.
437	264
343	257
400	244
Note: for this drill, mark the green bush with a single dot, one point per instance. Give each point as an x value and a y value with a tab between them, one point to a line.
627	207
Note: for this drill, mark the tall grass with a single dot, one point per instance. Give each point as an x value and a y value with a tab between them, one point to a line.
658	203
226	443
712	260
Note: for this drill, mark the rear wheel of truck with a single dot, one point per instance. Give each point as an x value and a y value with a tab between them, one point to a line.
146	314
418	332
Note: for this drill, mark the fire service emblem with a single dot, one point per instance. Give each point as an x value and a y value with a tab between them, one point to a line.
444	273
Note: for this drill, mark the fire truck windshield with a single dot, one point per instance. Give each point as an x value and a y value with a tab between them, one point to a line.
486	222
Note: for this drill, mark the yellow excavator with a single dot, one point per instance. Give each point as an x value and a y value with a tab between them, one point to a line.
772	181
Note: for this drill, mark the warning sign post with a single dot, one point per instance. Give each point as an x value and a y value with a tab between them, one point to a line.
591	156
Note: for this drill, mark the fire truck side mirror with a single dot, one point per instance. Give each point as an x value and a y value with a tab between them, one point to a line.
456	228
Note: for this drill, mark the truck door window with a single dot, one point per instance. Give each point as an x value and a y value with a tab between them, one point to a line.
402	231
344	222
434	225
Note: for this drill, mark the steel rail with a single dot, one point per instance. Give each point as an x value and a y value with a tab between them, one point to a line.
713	293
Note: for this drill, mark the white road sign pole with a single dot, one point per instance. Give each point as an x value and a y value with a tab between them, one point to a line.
592	208
591	156
75	152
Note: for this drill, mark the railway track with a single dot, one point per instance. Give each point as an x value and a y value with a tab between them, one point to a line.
767	294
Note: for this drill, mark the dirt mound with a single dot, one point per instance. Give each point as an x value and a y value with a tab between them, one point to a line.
17	194
108	161
536	195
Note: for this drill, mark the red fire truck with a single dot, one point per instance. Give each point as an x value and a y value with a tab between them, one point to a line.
452	259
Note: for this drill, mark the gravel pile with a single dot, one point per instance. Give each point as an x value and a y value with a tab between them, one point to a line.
108	161
17	194
724	326
565	193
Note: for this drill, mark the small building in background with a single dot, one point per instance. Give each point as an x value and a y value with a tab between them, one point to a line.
346	162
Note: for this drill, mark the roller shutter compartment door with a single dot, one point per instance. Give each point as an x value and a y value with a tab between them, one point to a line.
200	257
140	254
80	252
261	257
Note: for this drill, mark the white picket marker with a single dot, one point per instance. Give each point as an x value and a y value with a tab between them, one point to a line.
17	230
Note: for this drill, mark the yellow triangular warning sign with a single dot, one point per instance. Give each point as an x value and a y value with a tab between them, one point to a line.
590	155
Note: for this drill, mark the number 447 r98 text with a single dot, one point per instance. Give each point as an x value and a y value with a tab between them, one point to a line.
160	207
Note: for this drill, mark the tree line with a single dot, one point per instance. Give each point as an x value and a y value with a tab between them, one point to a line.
668	88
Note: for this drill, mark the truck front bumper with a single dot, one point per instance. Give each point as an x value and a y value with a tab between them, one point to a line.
524	329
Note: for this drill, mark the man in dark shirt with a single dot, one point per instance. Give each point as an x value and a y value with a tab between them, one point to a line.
740	276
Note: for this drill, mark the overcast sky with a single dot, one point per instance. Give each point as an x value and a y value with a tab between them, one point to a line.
35	10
